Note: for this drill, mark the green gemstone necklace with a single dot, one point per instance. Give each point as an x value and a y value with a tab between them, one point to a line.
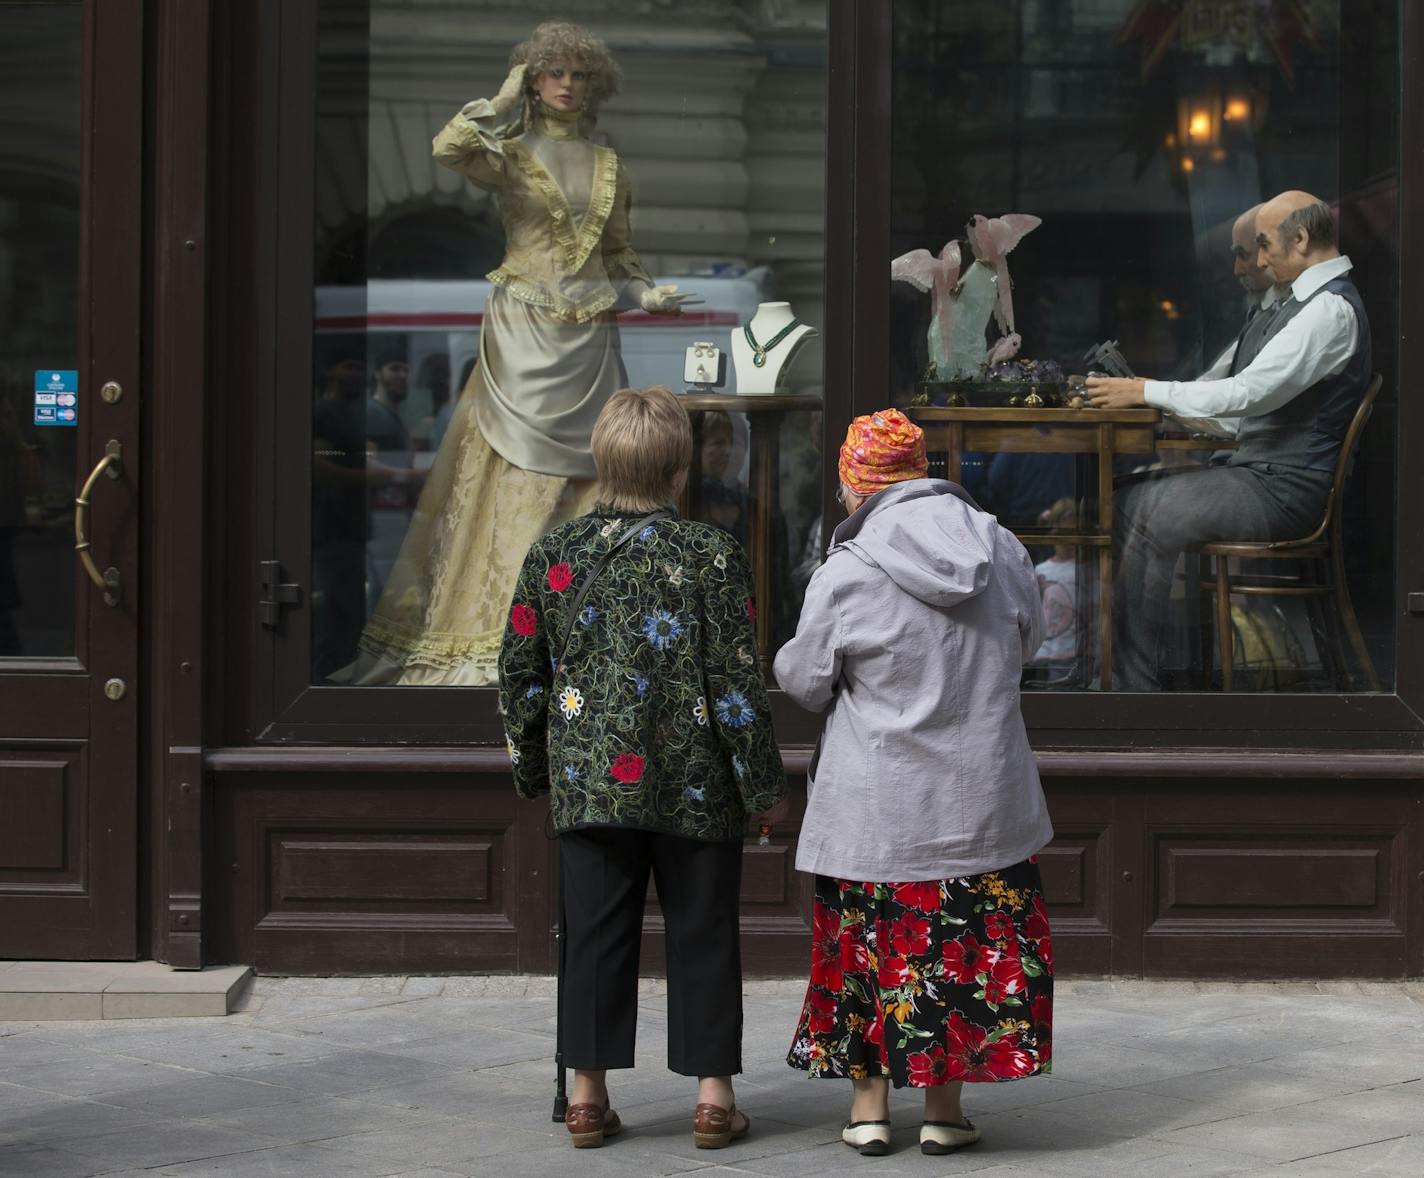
759	351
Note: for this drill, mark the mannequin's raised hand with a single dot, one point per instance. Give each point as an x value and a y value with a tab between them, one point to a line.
662	300
509	93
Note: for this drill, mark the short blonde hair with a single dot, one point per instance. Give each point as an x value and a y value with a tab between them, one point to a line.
642	442
559	41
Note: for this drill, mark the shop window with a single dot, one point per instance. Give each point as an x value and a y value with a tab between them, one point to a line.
39	328
473	309
1077	187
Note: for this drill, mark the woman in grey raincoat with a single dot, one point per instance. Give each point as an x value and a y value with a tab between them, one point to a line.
931	960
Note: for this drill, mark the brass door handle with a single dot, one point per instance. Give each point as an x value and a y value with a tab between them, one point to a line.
111	464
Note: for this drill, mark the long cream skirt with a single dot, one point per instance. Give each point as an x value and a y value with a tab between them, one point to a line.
441	616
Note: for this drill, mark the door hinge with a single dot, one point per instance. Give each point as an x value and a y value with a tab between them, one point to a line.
274	594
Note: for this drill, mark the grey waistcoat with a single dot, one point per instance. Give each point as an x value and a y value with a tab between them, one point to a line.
1308	429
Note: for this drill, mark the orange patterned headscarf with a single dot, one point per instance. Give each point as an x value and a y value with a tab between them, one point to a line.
880	449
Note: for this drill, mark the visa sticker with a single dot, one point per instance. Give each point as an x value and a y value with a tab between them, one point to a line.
56	396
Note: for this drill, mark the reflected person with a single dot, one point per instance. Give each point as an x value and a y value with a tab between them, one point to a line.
339	503
1294	383
388	442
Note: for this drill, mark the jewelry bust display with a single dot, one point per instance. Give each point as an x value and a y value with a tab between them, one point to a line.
764	347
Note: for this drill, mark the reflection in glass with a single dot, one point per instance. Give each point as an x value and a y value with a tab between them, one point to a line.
1079	188
39	303
488	301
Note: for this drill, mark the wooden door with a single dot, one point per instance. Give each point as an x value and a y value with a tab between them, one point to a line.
71	138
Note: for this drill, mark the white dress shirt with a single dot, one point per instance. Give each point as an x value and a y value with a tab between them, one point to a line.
1227	427
1315	344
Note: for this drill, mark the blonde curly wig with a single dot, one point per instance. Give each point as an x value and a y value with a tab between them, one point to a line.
559	41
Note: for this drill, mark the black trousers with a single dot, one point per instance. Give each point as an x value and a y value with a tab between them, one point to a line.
605	885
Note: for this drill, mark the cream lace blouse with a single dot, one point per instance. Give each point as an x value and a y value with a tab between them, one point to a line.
565	219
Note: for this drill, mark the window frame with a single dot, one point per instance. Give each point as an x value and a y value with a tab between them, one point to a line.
281	706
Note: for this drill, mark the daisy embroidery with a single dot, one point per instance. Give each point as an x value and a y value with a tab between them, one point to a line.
535	689
570	702
674	575
699	712
720	561
739	767
513	752
587	616
662	629
640	685
694	795
646	534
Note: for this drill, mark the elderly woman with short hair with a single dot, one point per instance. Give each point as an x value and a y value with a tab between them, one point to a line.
931	963
632	694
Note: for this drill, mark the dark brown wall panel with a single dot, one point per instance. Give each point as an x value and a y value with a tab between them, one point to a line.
427	869
42	807
1295	878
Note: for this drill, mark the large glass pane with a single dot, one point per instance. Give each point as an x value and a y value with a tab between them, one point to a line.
39	308
474	310
1084	184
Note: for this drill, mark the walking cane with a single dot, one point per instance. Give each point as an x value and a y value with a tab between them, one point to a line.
561	1096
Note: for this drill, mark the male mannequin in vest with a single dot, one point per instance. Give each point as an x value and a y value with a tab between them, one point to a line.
1263	292
1294	381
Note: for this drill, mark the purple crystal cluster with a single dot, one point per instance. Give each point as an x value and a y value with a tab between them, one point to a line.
1028	371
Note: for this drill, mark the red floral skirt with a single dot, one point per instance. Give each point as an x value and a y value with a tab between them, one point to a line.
927	983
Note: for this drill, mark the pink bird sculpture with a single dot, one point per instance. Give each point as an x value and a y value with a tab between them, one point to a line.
938	276
993	239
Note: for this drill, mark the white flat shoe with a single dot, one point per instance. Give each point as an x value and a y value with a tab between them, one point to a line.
941	1137
871	1138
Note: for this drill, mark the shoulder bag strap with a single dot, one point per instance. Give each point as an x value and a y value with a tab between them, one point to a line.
588	581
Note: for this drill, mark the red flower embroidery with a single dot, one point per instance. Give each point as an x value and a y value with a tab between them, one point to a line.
751	609
855	955
826	950
994	991
560	577
924	896
999	926
910	935
627	768
971	1058
1035	925
820	1013
524	620
1041	1011
928	1069
894	972
965	959
1007	970
1035	928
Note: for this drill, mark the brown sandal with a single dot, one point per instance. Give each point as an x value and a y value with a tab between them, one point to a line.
715	1127
589	1124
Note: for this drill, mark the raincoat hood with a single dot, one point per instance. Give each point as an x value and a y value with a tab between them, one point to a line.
928	536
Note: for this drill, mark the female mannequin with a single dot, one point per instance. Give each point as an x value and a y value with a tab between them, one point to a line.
515	461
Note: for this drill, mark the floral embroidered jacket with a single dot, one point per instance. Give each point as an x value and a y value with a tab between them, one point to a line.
658	719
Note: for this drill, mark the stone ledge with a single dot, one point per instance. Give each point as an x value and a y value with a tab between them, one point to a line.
42	991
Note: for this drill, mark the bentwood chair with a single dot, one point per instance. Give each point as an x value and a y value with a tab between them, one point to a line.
1322	575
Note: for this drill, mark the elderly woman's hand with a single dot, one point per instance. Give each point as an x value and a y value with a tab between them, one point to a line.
778	813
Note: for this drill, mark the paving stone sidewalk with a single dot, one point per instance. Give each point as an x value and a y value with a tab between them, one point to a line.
453	1076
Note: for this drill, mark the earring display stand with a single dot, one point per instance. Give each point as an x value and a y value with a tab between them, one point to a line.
765	414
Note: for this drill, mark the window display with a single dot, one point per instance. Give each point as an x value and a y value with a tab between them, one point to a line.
1167	398
457	388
